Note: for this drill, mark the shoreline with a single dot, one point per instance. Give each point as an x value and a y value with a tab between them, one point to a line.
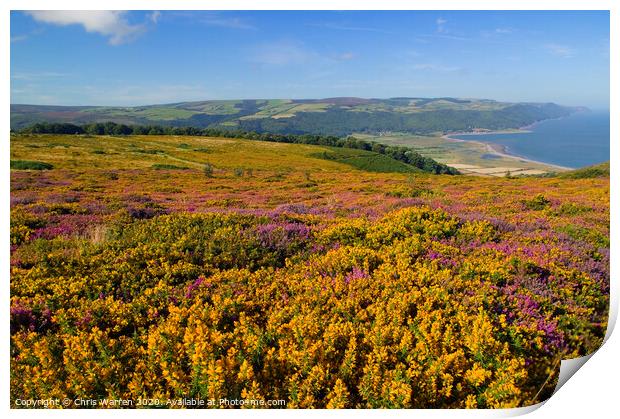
500	150
522	130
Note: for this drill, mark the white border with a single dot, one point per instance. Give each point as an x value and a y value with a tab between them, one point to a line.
592	392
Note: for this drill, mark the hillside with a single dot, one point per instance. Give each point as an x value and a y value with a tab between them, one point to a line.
597	170
332	116
166	267
192	153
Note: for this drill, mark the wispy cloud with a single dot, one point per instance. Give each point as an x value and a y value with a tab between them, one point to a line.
282	53
154	16
109	23
441	32
121	94
293	52
437	68
38	75
558	50
25	36
18	38
232	22
344	56
347	27
496	34
423	38
441	24
213	18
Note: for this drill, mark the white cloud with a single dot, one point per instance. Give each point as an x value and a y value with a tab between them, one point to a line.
558	50
154	17
441	24
109	23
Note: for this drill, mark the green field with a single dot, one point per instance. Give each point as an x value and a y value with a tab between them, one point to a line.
366	160
149	113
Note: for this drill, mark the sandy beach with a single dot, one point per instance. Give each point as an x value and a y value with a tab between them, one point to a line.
522	130
499	150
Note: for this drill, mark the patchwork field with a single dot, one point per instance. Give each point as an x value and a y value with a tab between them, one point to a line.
338	116
162	267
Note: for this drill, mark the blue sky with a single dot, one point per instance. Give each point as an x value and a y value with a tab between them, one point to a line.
139	57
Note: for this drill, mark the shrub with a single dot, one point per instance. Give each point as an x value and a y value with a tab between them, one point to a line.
159	166
539	202
208	170
30	165
149	151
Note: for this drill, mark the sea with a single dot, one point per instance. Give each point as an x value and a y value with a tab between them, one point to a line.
578	140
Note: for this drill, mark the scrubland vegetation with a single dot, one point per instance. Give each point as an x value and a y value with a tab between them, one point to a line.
384	157
185	266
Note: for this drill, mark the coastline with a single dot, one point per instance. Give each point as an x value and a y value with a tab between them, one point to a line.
522	130
500	150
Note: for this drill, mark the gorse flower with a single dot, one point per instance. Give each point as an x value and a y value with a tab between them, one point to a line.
339	296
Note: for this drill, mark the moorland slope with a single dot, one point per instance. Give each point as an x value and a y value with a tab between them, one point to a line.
157	268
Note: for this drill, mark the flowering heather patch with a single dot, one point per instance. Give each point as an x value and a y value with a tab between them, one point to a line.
349	292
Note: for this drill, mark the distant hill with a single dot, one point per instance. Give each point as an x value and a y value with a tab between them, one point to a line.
332	116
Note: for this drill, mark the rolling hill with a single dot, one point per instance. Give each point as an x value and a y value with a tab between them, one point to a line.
332	116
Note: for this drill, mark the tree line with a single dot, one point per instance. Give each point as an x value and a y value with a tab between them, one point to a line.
403	154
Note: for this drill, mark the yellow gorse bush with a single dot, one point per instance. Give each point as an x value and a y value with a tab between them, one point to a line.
374	320
347	291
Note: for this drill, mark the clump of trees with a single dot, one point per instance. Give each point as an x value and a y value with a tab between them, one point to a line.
403	154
